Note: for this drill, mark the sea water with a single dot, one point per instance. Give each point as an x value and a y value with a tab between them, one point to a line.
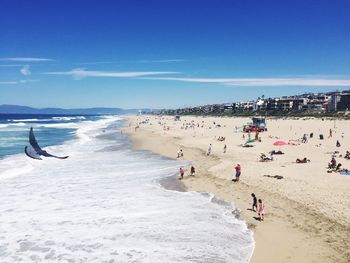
105	204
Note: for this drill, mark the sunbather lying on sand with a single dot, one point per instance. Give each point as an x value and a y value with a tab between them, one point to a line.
293	142
304	160
264	158
276	152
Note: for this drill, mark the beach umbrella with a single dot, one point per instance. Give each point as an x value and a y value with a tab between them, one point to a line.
280	143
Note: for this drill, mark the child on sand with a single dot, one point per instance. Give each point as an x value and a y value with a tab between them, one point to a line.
238	172
255	203
261	210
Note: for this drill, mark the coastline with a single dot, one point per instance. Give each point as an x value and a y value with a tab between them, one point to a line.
292	231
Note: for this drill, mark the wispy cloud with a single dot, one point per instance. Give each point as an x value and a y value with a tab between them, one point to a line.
25	70
161	60
8	82
11	65
137	61
254	82
14	82
26	59
97	63
82	73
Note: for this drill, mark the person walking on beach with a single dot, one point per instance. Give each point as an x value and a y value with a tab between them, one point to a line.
182	172
209	150
304	140
261	210
180	153
193	171
330	133
337	144
255	203
238	172
225	147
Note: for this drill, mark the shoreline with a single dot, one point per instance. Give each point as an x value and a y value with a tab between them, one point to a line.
291	232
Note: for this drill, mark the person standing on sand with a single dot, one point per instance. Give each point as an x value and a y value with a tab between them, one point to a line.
261	210
209	150
180	153
225	147
330	133
255	203
181	173
193	171
238	172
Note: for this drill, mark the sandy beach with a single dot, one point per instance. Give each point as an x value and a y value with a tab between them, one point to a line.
307	211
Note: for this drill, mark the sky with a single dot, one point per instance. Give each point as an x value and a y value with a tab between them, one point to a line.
169	54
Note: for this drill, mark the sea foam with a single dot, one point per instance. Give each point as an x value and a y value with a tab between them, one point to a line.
104	204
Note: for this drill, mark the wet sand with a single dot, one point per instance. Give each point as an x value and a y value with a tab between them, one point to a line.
297	228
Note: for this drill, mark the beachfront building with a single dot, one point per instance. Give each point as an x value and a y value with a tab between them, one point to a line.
260	105
284	103
247	105
339	102
308	102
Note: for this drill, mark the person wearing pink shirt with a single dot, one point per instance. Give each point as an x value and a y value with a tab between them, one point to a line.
238	172
182	172
261	209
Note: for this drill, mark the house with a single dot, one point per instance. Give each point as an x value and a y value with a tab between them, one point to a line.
339	102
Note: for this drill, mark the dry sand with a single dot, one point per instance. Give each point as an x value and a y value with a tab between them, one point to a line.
307	212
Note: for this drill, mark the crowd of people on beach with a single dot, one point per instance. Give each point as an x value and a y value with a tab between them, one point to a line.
250	141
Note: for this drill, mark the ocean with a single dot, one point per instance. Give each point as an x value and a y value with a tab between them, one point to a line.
105	202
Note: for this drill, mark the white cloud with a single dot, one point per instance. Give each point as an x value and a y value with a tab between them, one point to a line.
97	63
14	82
8	82
161	60
10	65
264	81
25	70
82	73
22	59
137	61
28	81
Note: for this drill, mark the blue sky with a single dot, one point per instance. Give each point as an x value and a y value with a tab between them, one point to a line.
167	54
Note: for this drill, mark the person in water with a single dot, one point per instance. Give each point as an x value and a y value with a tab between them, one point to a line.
255	203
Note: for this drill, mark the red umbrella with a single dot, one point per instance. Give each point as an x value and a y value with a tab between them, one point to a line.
280	143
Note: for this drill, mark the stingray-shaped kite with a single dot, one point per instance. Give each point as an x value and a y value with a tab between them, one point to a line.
34	151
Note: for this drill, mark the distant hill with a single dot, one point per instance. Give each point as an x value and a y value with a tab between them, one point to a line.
16	109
